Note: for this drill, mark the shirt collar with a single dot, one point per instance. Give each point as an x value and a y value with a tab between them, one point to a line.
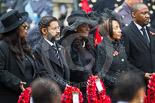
50	43
139	27
122	102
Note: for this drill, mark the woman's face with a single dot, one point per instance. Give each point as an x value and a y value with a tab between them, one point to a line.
23	30
116	30
83	29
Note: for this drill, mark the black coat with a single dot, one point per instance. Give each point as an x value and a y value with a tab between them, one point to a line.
109	66
11	74
77	57
139	54
49	66
80	62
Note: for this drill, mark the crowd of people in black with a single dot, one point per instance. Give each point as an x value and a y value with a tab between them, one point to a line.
71	59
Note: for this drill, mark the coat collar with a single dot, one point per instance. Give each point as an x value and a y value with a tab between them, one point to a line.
49	52
22	67
46	46
138	34
151	38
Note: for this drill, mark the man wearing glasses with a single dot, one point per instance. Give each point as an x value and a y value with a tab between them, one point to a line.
50	56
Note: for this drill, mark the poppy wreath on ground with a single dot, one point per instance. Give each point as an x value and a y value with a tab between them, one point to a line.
25	96
151	90
96	91
72	94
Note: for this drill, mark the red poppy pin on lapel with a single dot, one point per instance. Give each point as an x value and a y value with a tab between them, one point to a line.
115	53
152	33
64	52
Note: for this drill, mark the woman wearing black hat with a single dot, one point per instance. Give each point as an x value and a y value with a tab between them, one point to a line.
111	57
80	52
17	66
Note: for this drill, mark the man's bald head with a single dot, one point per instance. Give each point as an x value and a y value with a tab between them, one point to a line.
136	7
131	2
140	14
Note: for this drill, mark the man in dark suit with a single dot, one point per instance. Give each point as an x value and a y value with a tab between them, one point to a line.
50	56
139	41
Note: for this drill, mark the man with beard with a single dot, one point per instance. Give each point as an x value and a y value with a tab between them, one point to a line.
50	56
140	41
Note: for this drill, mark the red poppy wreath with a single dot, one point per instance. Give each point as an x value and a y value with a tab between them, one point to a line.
151	90
96	91
25	96
72	95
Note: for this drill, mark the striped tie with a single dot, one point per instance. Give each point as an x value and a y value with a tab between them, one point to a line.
56	51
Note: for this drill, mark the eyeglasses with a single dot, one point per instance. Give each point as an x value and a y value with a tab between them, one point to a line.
25	27
54	28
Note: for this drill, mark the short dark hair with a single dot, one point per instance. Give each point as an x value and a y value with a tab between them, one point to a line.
134	7
127	85
45	21
45	91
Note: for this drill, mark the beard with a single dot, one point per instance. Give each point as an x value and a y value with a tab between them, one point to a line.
52	38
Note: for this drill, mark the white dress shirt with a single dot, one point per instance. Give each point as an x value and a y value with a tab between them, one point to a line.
50	43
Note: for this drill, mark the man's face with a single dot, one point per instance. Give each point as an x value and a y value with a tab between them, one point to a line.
53	31
142	15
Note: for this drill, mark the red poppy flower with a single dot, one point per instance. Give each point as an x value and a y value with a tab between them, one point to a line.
64	52
25	96
115	53
152	33
93	96
151	90
67	96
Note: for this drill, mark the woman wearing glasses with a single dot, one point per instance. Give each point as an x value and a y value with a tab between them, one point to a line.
17	66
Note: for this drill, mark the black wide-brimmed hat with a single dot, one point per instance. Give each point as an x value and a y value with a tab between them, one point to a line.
11	20
77	18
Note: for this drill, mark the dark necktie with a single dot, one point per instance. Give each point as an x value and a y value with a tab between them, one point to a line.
56	51
145	36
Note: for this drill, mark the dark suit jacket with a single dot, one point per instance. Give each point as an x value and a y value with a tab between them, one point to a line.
11	72
49	66
139	54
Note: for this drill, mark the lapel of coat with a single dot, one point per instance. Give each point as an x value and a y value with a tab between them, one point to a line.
151	38
61	51
21	66
32	62
138	33
49	52
62	54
